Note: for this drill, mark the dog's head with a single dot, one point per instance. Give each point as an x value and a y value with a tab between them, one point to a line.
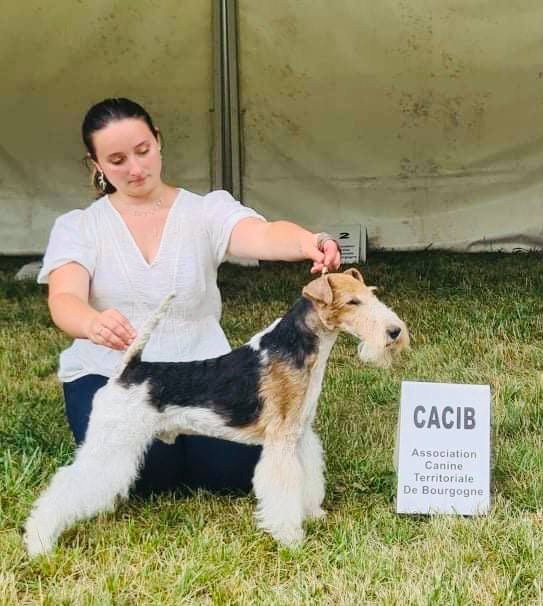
343	302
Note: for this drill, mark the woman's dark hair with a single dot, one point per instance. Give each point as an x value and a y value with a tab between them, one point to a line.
99	116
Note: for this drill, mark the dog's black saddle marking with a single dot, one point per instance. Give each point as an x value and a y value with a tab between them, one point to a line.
229	384
226	385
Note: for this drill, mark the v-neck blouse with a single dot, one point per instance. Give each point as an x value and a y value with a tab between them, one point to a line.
193	244
132	241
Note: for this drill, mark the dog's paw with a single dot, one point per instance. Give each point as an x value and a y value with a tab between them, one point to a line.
36	542
316	514
289	536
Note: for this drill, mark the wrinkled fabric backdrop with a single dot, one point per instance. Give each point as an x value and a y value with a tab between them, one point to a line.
421	120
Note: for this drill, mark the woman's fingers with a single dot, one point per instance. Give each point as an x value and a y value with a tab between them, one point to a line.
112	329
108	338
330	258
121	327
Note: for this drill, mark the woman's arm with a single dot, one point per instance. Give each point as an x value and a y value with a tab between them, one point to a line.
282	241
69	306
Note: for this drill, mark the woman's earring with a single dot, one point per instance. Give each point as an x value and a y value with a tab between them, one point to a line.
102	183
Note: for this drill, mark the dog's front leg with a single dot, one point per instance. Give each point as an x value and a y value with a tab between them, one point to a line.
312	458
278	488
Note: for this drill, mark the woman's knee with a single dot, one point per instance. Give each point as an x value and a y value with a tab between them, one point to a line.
78	397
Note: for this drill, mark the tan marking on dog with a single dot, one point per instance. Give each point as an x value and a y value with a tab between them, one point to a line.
341	301
332	308
282	389
334	297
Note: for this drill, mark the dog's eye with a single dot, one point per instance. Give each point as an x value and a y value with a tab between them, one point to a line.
354	302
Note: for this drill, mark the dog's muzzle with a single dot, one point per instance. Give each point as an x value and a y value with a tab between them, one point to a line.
381	351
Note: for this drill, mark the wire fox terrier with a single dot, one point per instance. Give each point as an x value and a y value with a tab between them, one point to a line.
265	392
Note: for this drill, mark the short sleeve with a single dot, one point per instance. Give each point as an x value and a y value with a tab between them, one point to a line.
69	241
223	212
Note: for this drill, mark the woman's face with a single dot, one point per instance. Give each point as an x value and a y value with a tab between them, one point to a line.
129	155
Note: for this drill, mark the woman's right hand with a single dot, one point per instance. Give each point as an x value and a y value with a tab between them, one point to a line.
111	329
69	287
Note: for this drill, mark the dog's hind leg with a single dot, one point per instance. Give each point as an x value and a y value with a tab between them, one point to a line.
278	488
104	468
312	458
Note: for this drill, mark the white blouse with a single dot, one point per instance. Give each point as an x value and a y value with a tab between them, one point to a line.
193	244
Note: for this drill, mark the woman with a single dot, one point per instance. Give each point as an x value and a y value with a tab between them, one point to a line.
108	267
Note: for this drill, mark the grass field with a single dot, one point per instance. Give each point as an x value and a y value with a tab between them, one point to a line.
473	318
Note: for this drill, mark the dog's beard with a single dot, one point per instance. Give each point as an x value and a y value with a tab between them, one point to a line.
382	354
375	355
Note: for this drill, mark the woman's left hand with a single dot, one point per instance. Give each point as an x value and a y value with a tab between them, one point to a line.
329	256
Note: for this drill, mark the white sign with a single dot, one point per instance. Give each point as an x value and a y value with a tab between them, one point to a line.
351	238
444	449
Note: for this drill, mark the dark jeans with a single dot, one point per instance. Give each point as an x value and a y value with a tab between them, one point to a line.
192	462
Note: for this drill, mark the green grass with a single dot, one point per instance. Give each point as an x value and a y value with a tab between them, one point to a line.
473	318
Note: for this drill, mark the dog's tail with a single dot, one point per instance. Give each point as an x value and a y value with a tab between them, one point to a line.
136	347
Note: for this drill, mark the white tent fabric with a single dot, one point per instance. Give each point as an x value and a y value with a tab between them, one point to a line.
56	60
418	119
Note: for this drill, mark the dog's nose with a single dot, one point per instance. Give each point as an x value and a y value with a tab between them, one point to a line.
394	332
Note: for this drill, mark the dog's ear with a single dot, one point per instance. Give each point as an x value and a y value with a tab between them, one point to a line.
355	274
319	290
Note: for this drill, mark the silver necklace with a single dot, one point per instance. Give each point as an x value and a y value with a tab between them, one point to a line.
154	208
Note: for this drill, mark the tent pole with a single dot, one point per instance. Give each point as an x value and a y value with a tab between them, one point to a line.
226	149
